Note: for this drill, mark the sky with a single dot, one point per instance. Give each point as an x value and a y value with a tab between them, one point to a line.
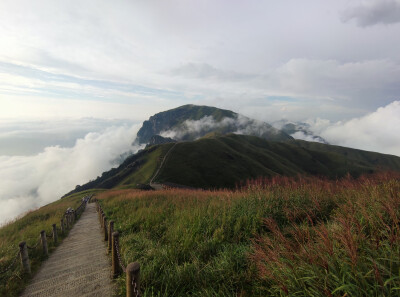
74	70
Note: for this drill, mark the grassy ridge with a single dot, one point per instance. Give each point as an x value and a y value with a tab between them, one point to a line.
224	161
27	228
150	163
270	238
217	161
135	170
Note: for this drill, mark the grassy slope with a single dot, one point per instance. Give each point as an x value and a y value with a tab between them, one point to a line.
145	172
224	161
363	156
305	238
27	228
136	169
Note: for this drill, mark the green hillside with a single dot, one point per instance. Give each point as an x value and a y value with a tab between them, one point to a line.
219	161
225	161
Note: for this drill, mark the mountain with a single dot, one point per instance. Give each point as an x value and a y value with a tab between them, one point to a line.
298	130
157	139
219	161
190	122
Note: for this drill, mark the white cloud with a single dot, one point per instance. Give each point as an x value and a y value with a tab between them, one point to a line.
239	125
377	131
307	137
197	127
216	49
31	181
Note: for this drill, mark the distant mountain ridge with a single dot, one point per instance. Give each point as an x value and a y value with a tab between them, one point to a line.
190	122
224	161
298	130
216	148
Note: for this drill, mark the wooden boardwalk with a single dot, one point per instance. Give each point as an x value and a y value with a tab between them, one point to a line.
79	266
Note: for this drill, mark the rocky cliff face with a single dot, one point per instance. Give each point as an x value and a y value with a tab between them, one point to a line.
190	122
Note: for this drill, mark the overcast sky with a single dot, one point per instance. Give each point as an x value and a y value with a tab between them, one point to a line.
76	77
335	59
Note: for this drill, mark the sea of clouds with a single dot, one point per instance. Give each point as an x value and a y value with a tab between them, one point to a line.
378	131
35	179
30	181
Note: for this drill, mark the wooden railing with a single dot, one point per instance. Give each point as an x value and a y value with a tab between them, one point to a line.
132	270
66	222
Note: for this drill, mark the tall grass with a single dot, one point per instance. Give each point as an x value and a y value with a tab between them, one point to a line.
27	228
354	253
282	236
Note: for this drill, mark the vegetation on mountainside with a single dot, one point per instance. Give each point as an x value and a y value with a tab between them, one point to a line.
136	170
216	161
27	228
226	160
276	237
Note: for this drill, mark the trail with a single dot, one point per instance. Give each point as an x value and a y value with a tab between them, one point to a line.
79	266
158	186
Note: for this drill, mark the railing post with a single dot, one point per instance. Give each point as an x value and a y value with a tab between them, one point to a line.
110	232
55	233
99	215
44	242
114	255
67	220
26	266
62	226
75	215
132	279
105	228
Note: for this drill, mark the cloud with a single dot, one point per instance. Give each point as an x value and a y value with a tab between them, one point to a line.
150	54
307	137
31	181
193	129
207	71
373	13
377	131
197	128
22	138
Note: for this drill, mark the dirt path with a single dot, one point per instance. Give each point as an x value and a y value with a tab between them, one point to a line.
158	186
79	266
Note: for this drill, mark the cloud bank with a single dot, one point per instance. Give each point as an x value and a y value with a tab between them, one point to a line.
31	181
151	55
377	131
28	137
193	129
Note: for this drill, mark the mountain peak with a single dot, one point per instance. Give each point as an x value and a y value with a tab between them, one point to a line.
190	122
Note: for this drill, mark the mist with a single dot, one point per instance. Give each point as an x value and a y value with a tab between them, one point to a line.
377	131
238	125
28	182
